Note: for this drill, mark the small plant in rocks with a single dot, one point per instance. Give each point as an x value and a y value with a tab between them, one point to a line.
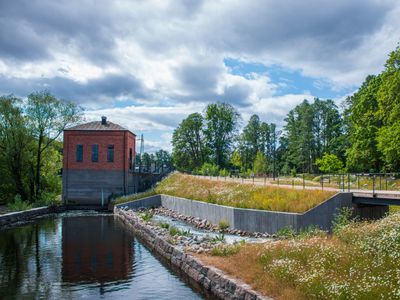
220	238
146	215
163	225
223	225
227	250
174	231
286	232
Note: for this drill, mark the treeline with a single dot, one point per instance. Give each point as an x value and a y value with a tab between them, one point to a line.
362	136
30	153
158	162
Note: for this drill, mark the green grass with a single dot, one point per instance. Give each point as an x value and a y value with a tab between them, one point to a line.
239	195
359	261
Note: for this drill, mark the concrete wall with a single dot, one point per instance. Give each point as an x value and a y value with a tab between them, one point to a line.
85	187
212	212
19	216
251	219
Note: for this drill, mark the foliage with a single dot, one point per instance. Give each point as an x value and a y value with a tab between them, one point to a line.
226	250
342	219
329	163
260	164
220	238
189	144
209	169
221	125
361	262
174	231
146	215
164	225
223	225
18	204
286	232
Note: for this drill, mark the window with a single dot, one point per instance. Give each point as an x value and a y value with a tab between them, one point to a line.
79	153
130	159
110	153
95	153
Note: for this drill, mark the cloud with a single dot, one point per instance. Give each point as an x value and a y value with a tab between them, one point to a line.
163	59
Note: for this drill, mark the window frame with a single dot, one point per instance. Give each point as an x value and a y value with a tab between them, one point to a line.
110	153
79	153
95	153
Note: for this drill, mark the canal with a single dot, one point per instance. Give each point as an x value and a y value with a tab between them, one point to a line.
83	255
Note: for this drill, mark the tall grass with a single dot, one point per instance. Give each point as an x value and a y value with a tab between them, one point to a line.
360	261
241	195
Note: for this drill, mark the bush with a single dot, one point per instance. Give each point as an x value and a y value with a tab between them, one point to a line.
223	225
18	204
49	199
146	215
224	173
209	169
286	232
342	219
227	250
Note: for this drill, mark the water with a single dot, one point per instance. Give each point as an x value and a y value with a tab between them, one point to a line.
86	256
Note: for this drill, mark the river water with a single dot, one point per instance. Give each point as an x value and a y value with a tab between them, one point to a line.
84	256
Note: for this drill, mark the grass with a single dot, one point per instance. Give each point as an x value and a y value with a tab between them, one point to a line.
240	195
359	261
174	231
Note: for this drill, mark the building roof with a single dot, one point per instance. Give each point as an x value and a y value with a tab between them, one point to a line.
98	125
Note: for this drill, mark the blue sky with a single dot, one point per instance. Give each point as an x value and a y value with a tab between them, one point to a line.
148	64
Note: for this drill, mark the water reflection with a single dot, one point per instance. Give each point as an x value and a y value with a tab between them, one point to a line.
75	256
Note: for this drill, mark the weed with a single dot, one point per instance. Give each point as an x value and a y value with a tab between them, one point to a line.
342	219
18	204
220	238
223	225
226	250
286	232
163	225
146	215
174	231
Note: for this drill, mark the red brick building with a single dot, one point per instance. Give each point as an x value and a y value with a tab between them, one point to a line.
98	162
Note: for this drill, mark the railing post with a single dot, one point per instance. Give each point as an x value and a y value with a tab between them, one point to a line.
348	182
373	185
304	183
292	183
322	181
358	181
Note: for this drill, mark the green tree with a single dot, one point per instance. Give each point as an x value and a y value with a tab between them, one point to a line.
329	163
221	122
15	146
189	146
47	118
250	141
388	97
260	164
236	160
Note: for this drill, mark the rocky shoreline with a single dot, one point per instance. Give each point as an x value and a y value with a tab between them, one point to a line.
173	249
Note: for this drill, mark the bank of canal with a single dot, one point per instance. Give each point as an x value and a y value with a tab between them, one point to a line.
83	255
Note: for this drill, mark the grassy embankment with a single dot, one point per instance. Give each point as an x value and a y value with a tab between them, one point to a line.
236	195
359	261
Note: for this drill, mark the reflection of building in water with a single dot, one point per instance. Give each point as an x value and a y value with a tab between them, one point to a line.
95	249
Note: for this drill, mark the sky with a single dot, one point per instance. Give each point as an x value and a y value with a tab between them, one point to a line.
146	65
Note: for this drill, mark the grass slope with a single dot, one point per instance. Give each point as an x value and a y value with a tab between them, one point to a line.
360	261
236	194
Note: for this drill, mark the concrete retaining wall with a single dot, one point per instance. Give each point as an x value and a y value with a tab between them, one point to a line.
251	219
14	217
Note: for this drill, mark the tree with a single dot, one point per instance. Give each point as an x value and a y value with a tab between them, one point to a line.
222	121
329	163
363	126
236	160
250	141
388	97
188	141
47	118
15	143
260	164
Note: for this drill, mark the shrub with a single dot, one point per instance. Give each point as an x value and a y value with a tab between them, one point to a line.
227	250
49	199
224	173
342	219
209	169
286	232
146	215
174	231
223	225
220	238
163	225
18	204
